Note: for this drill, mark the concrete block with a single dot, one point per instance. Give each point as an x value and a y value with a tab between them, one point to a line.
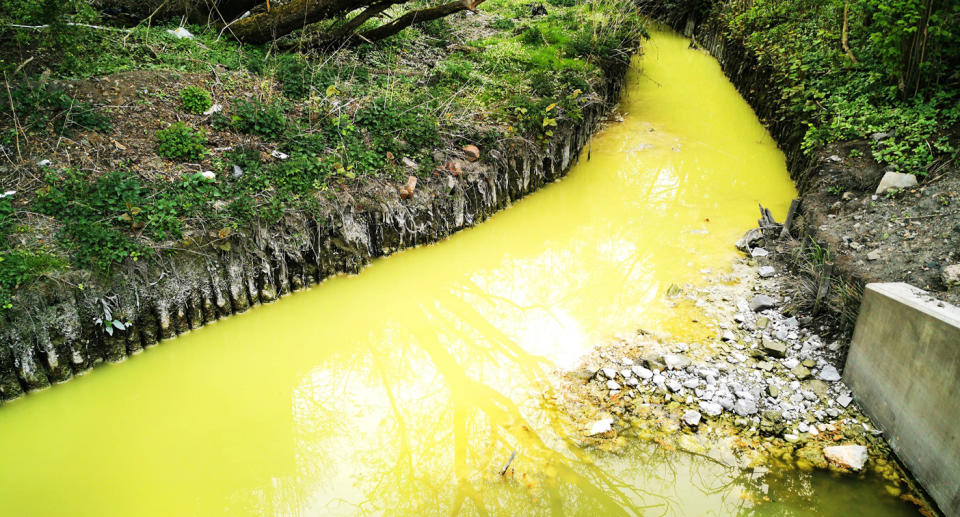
904	370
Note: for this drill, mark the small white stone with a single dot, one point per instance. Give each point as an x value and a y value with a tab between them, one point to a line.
829	373
759	252
209	175
280	156
641	372
711	408
601	426
853	457
691	418
612	385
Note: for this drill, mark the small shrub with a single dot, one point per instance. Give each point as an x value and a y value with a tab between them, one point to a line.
292	72
265	120
195	100
42	105
180	142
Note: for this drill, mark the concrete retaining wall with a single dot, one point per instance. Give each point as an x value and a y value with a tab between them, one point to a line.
904	370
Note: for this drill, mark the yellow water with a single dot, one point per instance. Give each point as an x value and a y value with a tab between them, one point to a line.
404	389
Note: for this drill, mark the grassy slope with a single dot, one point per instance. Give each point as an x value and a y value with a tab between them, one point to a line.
128	152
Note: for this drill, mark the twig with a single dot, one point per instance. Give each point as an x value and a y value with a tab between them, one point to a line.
928	216
72	24
16	121
23	65
503	471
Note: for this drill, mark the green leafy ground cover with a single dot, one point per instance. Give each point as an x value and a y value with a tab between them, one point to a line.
136	169
840	98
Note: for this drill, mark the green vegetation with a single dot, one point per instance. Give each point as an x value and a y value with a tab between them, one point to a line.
296	127
42	107
898	80
195	100
180	142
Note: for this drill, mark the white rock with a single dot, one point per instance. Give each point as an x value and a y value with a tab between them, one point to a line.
728	336
711	408
180	33
896	180
214	109
44	163
209	175
759	252
853	457
237	171
829	373
844	400
612	385
626	361
626	373
641	372
609	373
674	386
745	407
792	438
691	418
951	275
791	363
675	362
632	381
8	193
767	271
601	426
280	156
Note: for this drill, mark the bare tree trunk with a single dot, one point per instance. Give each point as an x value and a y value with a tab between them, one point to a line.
914	51
844	34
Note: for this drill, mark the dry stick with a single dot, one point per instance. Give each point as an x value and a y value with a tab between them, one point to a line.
149	20
931	215
22	65
824	286
16	121
844	33
794	205
87	25
503	471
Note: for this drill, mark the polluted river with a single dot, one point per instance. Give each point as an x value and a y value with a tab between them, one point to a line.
407	389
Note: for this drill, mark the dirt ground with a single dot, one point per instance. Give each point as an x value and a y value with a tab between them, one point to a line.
906	236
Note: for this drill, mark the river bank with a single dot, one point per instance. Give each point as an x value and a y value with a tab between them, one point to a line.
302	167
762	394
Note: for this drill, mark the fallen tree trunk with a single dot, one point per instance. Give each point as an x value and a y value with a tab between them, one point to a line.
269	21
